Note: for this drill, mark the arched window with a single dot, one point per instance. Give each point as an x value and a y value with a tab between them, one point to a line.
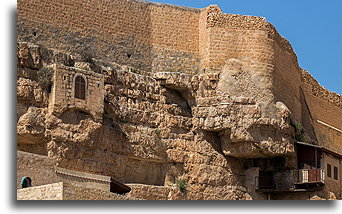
80	88
26	182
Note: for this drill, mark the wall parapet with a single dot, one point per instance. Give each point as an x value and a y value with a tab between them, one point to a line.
314	88
168	5
237	21
247	22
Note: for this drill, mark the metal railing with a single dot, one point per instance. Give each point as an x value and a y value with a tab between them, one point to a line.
265	182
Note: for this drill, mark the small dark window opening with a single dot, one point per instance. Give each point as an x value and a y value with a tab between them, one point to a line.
80	88
64	77
49	89
335	173
129	55
26	182
329	170
98	85
266	180
34	33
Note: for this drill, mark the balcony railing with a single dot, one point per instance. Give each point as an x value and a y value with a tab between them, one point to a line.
290	180
310	176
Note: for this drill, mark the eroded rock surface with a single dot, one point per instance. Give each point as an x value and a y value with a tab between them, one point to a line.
160	129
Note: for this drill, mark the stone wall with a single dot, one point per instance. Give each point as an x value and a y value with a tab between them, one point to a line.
40	169
236	36
314	88
325	112
143	35
83	179
328	137
67	191
286	77
76	192
44	192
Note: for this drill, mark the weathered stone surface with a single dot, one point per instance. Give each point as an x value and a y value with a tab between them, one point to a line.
250	124
31	127
202	103
30	92
162	129
29	55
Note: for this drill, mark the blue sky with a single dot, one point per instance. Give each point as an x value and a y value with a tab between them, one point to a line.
313	27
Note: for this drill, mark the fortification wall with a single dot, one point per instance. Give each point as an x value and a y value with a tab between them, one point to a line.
328	137
144	35
287	77
273	63
315	89
239	37
324	105
326	112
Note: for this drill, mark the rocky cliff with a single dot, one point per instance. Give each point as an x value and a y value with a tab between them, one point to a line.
202	135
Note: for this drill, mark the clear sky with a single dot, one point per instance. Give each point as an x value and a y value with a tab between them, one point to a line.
313	27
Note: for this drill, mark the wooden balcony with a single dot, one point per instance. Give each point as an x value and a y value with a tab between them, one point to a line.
310	176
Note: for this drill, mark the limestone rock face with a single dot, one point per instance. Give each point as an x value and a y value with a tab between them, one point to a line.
237	103
31	127
29	91
29	55
180	136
